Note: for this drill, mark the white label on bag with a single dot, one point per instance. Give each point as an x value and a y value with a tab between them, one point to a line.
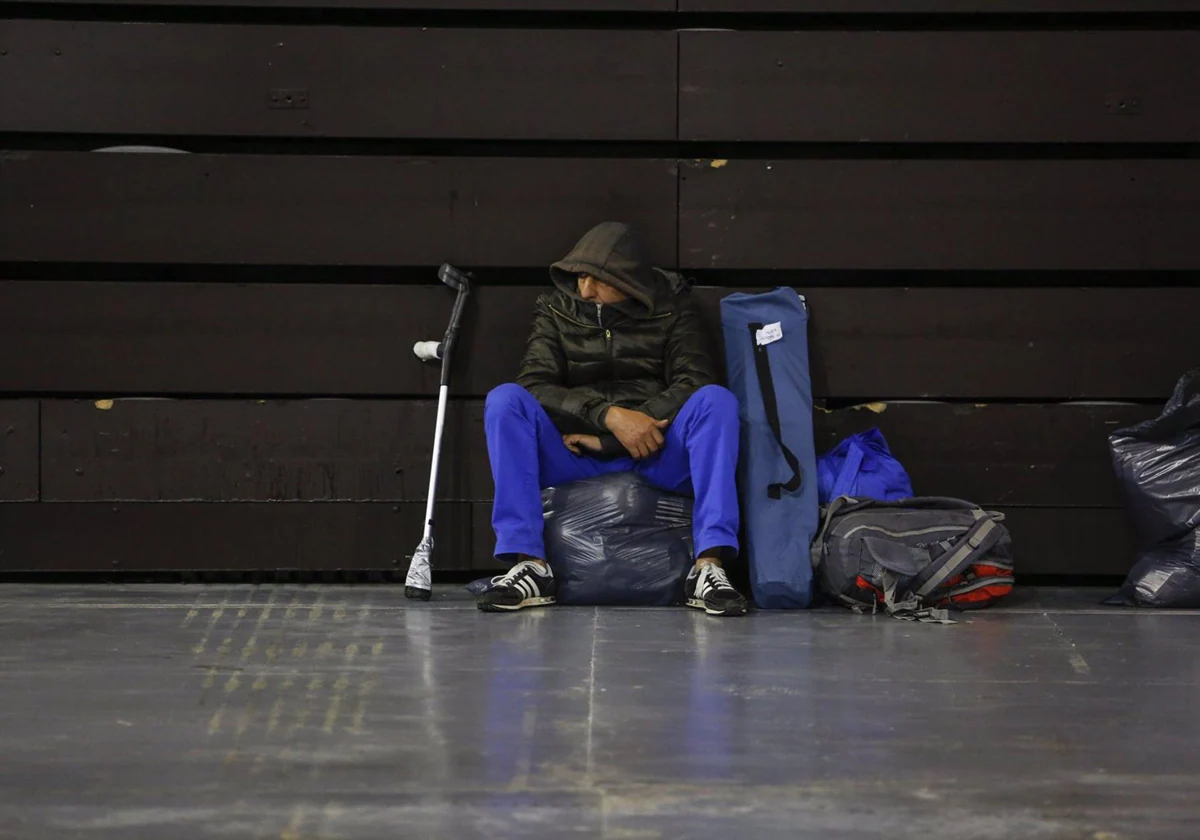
769	334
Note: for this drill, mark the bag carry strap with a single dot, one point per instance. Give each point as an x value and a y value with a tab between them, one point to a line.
762	364
979	540
846	475
911	608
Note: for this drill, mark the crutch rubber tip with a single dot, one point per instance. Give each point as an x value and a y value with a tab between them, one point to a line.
417	594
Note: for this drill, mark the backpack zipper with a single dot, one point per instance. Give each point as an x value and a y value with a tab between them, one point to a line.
916	533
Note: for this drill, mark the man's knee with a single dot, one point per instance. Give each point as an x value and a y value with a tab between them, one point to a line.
717	400
506	397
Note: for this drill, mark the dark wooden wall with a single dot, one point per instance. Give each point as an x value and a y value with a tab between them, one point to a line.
205	357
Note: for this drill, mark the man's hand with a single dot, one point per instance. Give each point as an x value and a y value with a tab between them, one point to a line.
639	433
582	443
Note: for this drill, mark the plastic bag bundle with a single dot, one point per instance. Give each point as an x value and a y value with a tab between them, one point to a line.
1158	464
617	540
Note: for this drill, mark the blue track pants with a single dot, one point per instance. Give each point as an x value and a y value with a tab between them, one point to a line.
527	454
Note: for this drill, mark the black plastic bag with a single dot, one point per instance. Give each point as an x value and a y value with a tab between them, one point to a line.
1158	464
1167	575
617	540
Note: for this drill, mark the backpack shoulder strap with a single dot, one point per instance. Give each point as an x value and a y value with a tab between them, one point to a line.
977	541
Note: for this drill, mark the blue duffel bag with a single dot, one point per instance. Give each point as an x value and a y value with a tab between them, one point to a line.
862	466
766	359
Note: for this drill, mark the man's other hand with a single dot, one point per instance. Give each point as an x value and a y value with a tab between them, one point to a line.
579	444
639	433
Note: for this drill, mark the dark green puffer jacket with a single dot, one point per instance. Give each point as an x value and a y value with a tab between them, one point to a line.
650	352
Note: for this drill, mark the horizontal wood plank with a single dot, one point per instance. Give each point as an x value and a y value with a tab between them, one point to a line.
1029	455
863	214
18	450
171	537
166	537
1032	344
1070	541
370	450
323	210
927	87
241	450
157	339
1100	215
432	5
966	7
362	82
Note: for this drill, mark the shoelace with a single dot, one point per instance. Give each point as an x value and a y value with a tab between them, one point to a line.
717	578
512	575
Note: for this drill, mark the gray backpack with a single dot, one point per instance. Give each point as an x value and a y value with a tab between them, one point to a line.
914	558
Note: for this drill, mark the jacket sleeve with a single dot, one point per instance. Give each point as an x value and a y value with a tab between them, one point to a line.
544	374
691	363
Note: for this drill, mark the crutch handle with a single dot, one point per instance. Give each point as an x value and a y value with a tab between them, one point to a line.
428	351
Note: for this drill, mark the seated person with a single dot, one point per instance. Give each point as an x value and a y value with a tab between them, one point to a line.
618	375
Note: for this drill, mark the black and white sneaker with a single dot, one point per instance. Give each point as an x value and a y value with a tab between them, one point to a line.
708	589
527	584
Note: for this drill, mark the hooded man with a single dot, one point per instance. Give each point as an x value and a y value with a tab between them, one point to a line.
618	375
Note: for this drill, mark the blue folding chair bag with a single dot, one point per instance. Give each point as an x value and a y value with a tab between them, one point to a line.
766	358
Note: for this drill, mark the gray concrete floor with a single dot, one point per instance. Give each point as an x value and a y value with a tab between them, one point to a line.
173	712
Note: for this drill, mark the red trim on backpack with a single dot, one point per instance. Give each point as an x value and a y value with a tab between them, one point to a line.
862	583
983	595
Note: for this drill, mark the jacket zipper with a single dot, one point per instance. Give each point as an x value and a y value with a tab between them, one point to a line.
567	317
607	347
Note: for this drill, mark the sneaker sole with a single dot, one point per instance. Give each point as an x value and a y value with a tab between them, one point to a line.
698	604
528	602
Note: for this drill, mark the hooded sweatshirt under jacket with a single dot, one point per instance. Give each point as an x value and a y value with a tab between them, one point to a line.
649	353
